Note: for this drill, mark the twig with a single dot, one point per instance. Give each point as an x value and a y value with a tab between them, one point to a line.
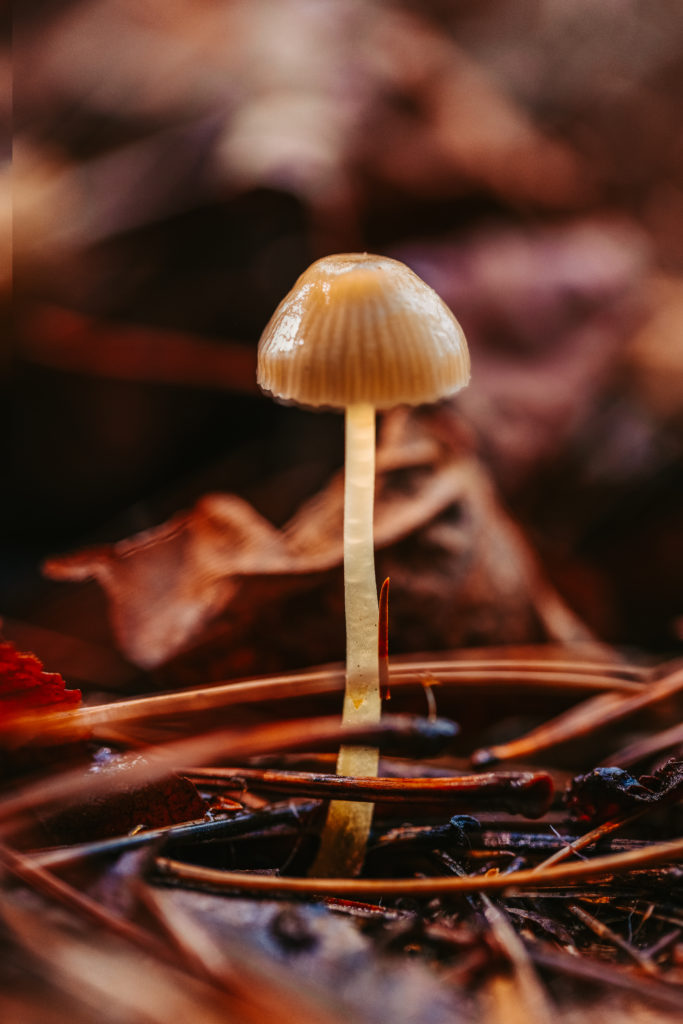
370	911
604	932
601	973
529	996
528	793
483	844
263	739
588	838
241	824
532	1000
646	910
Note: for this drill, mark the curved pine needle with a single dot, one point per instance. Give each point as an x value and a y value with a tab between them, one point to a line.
648	746
588	839
594	713
653	855
563	677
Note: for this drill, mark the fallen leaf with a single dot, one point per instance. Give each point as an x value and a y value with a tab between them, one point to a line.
165	584
461	570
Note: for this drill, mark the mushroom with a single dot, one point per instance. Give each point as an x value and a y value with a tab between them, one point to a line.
360	332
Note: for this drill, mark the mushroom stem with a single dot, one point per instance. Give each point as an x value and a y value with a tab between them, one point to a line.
361	700
344	837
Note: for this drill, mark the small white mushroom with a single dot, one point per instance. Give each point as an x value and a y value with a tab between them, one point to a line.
359	332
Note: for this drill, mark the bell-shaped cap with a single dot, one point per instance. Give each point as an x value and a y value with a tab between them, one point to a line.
362	328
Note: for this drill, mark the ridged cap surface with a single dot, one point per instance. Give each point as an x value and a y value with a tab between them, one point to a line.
361	328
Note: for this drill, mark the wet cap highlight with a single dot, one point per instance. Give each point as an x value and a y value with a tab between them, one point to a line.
358	328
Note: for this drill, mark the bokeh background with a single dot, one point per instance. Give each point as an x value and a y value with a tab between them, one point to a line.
176	165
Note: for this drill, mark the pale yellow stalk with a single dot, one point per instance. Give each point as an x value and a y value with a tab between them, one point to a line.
346	830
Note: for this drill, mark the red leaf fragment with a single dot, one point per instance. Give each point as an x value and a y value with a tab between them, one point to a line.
25	685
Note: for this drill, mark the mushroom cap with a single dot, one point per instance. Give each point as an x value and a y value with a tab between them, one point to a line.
362	328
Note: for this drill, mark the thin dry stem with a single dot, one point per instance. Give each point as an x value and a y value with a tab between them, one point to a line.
588	838
528	793
604	932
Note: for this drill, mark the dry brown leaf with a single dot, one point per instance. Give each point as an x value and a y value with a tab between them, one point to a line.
459	127
655	356
164	584
461	570
547	312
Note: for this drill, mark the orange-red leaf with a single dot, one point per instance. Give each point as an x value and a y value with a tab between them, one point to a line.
24	685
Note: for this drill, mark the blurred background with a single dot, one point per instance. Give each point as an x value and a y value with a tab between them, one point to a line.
177	164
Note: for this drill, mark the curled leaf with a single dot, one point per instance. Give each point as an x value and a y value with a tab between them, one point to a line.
462	571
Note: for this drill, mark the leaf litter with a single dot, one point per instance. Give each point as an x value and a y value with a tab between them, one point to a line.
494	153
